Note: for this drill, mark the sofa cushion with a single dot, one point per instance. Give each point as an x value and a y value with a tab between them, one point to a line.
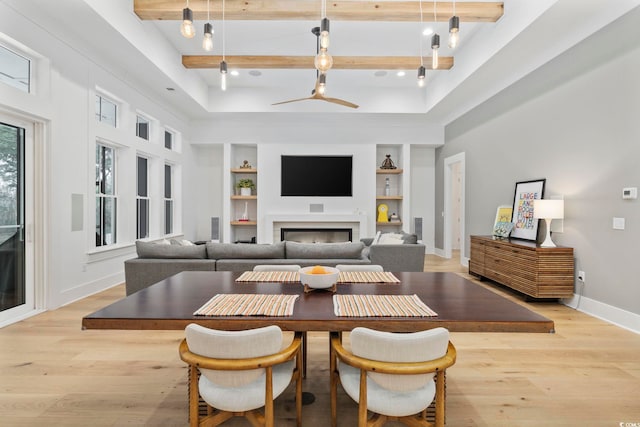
155	250
245	250
347	250
396	239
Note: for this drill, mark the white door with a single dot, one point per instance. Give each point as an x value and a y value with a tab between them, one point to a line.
17	294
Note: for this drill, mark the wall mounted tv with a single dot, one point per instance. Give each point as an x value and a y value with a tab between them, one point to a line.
316	176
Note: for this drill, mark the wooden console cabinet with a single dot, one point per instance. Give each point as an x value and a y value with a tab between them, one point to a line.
524	266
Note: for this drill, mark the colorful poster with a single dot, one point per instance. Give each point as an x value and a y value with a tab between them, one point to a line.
524	225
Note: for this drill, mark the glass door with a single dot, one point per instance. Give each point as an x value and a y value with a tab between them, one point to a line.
16	294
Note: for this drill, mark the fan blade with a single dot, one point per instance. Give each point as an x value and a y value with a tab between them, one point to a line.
341	102
292	100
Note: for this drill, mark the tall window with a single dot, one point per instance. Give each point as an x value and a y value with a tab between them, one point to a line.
106	200
15	70
142	127
142	200
168	140
106	111
168	201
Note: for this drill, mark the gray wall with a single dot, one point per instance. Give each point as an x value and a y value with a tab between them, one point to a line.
581	134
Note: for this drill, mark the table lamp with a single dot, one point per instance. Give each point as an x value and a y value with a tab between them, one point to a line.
548	210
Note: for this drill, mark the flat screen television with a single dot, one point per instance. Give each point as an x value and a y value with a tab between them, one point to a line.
316	176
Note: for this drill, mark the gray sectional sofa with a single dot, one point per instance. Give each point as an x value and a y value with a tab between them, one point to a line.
156	262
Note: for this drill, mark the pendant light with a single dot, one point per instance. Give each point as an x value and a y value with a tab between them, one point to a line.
207	41
322	83
435	41
223	63
323	60
422	72
186	28
454	28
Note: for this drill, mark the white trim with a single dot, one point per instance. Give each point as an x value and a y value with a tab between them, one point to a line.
614	315
85	290
448	165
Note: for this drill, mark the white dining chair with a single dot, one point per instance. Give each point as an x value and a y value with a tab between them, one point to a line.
240	372
276	267
392	374
358	267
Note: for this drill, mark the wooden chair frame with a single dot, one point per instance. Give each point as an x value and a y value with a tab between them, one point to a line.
216	417
438	366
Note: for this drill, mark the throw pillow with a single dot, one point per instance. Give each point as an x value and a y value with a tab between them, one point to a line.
390	239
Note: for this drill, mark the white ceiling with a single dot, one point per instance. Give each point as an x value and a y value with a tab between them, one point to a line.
491	56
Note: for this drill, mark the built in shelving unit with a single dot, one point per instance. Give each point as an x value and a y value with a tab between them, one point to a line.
238	229
395	200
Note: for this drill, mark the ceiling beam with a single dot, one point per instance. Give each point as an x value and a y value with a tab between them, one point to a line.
341	10
306	62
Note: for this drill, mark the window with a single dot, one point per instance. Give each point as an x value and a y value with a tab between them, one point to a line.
142	127
168	201
168	140
106	200
106	111
142	200
15	70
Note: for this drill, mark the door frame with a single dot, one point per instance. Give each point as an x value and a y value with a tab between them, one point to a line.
35	230
449	163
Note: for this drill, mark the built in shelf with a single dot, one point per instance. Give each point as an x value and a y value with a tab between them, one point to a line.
389	171
389	223
388	197
244	223
243	170
252	197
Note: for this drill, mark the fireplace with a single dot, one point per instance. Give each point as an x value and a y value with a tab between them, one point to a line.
316	235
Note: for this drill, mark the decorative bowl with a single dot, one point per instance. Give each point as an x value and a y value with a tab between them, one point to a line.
319	281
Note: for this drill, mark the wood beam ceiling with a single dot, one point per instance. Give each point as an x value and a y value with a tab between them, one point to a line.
340	10
306	62
345	10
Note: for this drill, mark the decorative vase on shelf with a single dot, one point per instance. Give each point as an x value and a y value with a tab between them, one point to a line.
245	191
245	214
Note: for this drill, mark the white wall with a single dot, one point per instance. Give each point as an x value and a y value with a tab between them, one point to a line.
277	134
422	192
582	136
63	103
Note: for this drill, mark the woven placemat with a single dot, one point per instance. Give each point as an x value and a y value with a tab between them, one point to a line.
380	306
293	276
248	305
269	276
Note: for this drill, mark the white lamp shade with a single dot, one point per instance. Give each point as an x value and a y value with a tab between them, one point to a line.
548	209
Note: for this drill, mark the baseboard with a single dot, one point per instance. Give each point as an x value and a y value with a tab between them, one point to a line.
86	289
439	252
614	315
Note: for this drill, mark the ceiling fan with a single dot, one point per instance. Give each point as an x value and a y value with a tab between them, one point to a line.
318	93
321	80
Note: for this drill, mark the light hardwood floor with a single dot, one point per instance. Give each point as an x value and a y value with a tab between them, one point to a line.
53	373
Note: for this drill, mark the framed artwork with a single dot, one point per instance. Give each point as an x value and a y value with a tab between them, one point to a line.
524	225
503	225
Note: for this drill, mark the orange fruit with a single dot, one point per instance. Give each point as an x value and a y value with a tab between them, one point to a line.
318	269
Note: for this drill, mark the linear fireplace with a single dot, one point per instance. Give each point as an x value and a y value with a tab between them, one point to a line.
316	235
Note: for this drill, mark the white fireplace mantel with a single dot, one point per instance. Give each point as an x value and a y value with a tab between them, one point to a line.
273	221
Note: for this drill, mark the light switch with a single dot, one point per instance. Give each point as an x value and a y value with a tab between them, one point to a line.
618	223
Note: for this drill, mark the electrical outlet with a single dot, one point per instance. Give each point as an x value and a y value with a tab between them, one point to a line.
582	276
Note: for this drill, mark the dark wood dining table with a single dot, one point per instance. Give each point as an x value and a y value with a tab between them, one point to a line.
460	304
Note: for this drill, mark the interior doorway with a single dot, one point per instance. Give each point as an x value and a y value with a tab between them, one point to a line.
454	202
